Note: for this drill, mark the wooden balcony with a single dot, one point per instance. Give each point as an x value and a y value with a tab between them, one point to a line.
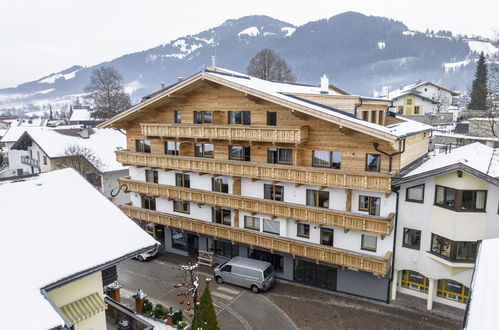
277	173
377	265
253	133
297	212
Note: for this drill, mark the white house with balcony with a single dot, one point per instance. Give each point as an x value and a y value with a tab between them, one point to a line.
447	206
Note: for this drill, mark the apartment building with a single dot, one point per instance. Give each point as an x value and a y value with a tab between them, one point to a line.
293	174
447	206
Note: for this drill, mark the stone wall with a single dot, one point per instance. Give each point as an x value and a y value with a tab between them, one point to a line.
443	118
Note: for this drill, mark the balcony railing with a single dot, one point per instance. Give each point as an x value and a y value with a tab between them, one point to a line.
27	160
277	173
321	216
275	134
377	265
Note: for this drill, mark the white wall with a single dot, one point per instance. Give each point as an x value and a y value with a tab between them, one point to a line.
110	183
15	158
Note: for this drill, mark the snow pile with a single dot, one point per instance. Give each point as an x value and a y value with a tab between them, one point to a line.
481	46
381	45
289	31
251	31
453	66
408	33
52	78
66	225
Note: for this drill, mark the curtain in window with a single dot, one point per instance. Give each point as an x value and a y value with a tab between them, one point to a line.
480	200
440	195
310	197
285	155
415	193
271	226
321	158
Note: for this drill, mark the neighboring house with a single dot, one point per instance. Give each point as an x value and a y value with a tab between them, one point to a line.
16	167
64	234
421	98
39	150
83	116
297	175
447	205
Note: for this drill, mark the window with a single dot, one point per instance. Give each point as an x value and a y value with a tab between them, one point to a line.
221	216
143	146
204	150
239	153
327	236
276	260
182	180
318	198
380	118
400	109
303	230
409	101
279	156
453	290
181	206
271	226
453	250
220	184
178	239
414	281
415	194
370	204
239	117
273	192
412	238
172	148
45	160
416	110
148	227
251	222
271	118
203	117
326	158
151	176
365	115
461	200
176	117
148	202
225	249
373	162
369	243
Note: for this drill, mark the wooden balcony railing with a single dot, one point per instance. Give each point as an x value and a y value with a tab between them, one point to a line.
275	134
377	265
278	173
321	216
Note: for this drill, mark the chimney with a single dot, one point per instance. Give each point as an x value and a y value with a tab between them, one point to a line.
213	61
162	85
179	79
324	84
84	133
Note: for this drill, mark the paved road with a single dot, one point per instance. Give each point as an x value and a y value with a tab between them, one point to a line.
237	308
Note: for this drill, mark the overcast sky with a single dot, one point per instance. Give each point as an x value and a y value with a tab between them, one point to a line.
41	37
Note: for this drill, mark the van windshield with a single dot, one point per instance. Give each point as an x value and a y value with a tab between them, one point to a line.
267	272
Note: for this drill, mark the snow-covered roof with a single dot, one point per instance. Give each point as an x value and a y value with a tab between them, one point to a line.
14	133
484	299
104	142
284	94
3	131
476	155
54	226
413	87
81	115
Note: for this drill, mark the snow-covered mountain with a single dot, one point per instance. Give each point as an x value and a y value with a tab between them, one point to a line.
359	53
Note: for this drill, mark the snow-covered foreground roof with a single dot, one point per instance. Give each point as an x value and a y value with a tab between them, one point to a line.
484	299
475	155
54	226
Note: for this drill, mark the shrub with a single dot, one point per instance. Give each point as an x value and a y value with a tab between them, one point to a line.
160	312
148	307
181	325
178	316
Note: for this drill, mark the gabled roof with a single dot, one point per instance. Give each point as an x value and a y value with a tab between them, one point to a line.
475	158
413	88
81	115
276	92
56	228
416	94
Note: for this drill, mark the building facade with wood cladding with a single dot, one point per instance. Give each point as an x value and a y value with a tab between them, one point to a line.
297	175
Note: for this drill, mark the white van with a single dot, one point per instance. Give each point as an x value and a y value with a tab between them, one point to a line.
249	273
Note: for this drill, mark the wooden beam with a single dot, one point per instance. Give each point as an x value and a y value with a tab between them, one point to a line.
345	230
253	98
253	179
211	84
177	96
297	185
202	173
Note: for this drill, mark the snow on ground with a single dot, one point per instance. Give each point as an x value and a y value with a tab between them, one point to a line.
52	78
381	45
408	33
251	31
289	30
181	44
132	86
482	46
453	66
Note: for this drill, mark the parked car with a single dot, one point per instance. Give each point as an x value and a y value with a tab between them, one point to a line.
148	255
253	274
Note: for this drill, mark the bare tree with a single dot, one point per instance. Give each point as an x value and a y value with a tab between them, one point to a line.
83	160
267	65
441	99
106	92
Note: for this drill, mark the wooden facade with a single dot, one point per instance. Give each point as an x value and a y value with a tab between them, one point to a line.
321	216
377	265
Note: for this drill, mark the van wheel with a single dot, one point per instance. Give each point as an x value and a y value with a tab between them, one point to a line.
219	279
141	258
254	289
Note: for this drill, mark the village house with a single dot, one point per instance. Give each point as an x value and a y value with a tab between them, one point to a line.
297	175
421	98
70	234
447	205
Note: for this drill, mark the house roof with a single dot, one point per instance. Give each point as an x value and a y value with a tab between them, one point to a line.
413	87
416	95
54	142
280	93
475	158
51	236
81	115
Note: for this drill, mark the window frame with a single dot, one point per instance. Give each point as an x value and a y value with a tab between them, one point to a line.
273	189
369	208
177	119
406	283
185	207
364	247
378	169
277	156
175	151
458	199
323	229
253	220
218	216
453	249
182	180
306	230
148	202
143	146
271	118
443	293
245	154
176	245
155	176
316	194
407	232
203	117
221	184
330	162
244	117
415	200
202	148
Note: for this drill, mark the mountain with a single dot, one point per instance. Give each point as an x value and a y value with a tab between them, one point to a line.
359	53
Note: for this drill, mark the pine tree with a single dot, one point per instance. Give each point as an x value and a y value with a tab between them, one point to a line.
205	317
479	89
